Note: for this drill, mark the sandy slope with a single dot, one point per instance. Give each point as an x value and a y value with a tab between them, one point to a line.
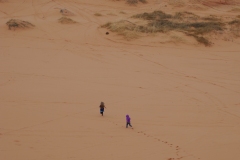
183	99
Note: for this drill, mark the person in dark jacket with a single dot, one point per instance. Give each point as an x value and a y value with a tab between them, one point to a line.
102	106
128	120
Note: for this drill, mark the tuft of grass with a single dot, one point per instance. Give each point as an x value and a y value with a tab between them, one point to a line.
97	14
203	40
65	20
132	2
120	26
156	15
211	18
234	22
143	1
235	25
16	23
205	27
122	12
183	15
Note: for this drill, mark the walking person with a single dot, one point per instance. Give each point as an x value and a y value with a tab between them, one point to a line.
102	106
128	121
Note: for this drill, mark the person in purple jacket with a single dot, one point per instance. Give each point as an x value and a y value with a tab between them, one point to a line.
128	120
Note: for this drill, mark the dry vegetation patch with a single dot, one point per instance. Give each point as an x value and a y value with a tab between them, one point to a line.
122	12
143	1
125	28
97	14
156	15
65	20
211	18
218	2
158	21
235	22
235	27
186	16
16	23
134	2
235	10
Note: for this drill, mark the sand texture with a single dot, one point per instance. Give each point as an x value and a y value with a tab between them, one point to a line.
183	97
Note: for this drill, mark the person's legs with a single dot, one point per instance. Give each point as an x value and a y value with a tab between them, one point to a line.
101	111
130	125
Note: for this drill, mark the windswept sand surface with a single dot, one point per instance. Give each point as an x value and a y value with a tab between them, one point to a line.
183	99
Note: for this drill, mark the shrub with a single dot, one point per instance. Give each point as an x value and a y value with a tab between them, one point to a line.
16	23
65	20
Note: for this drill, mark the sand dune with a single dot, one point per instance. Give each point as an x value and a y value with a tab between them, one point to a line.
183	97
